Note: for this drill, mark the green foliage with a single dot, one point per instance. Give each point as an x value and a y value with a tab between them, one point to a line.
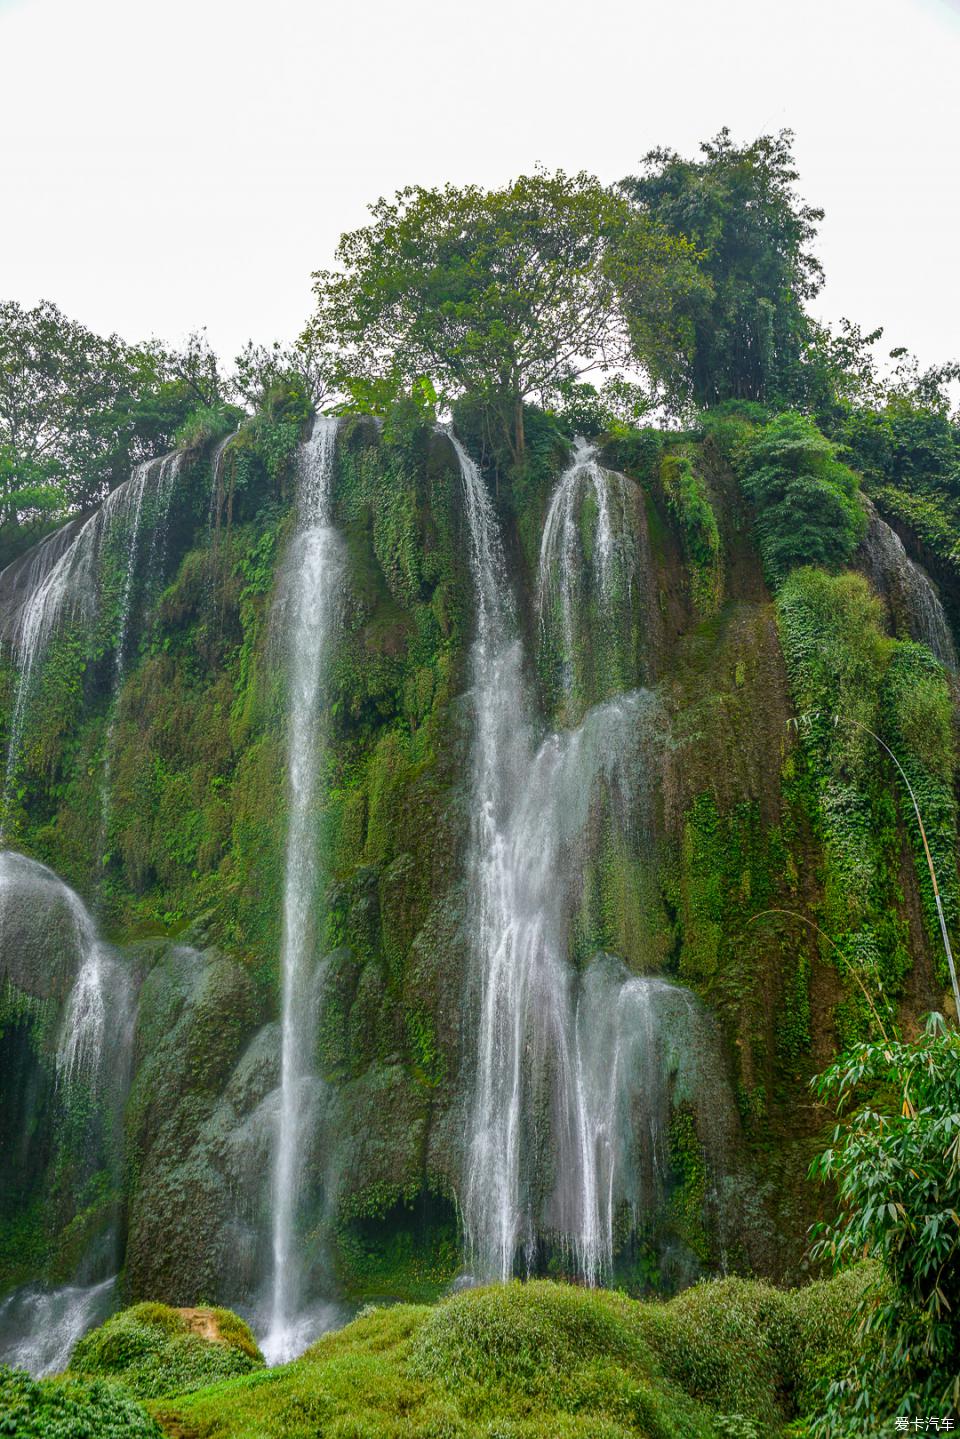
52	1409
846	675
689	1164
806	500
689	502
917	712
151	1350
405	1246
77	410
205	424
836	656
549	1361
895	1162
934	517
503	294
743	333
906	443
754	1353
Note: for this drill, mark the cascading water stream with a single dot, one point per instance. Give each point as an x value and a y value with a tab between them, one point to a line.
531	809
314	570
163	473
39	1327
67	585
40	917
560	547
907	587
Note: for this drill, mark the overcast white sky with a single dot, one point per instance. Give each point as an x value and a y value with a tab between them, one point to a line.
170	165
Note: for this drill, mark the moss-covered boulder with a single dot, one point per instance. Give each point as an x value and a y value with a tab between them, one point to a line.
550	1361
152	1350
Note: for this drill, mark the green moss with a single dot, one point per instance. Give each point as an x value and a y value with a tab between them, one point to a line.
401	1247
151	1350
548	1361
689	502
689	1197
849	678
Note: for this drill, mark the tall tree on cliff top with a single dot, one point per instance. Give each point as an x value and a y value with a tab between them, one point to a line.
747	331
505	295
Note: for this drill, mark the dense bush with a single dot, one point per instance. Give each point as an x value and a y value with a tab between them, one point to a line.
152	1351
550	1361
895	1162
50	1409
806	500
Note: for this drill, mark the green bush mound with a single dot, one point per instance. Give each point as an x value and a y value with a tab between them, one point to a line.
153	1351
550	1361
54	1409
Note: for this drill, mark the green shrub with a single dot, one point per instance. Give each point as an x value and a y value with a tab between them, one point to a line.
896	1166
52	1409
689	502
152	1351
806	500
206	424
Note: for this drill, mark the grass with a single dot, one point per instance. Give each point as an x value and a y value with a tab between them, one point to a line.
548	1361
152	1351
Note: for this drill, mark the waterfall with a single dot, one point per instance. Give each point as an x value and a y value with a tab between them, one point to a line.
561	567
164	473
532	806
593	597
314	577
39	1327
643	1044
38	912
907	588
66	587
50	947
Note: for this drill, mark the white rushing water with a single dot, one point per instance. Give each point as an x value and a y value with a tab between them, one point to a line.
909	589
49	944
314	577
67	583
561	548
39	1327
161	475
38	911
535	1092
635	1037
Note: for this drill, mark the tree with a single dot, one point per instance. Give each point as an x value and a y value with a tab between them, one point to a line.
303	370
895	1162
78	409
806	500
501	294
744	334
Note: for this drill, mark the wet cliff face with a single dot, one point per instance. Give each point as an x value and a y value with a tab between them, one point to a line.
677	774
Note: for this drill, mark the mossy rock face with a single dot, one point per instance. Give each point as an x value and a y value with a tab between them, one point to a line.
739	823
153	1351
198	1141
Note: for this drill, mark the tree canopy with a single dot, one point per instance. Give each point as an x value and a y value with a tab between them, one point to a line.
745	329
77	409
895	1161
504	294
